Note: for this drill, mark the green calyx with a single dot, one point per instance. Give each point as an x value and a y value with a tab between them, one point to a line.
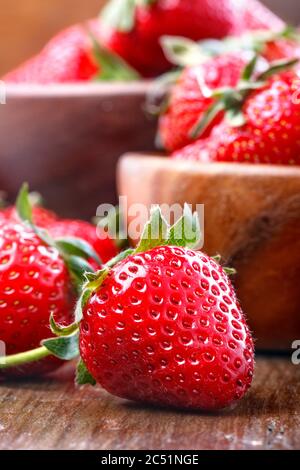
185	232
120	14
231	99
183	52
74	251
111	66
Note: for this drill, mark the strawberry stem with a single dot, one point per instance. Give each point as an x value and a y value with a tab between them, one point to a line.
20	359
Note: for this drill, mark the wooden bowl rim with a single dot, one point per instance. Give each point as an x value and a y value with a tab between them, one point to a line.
189	167
77	90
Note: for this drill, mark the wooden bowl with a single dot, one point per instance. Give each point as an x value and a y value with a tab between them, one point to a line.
252	218
65	141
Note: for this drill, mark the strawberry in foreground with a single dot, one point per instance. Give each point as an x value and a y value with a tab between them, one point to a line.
161	324
38	277
74	55
261	126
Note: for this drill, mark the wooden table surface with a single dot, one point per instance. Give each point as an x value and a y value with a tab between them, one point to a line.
54	414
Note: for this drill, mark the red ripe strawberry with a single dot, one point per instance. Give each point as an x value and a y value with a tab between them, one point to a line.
165	328
38	277
163	325
34	282
270	132
191	96
133	29
104	246
72	56
67	57
258	16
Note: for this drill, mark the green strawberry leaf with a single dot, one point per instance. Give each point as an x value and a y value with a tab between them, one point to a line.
93	282
156	231
186	232
119	15
208	117
277	67
77	247
78	267
23	205
83	376
63	347
120	257
249	69
60	330
112	66
24	211
229	271
182	51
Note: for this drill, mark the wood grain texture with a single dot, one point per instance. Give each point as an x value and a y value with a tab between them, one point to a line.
53	414
252	219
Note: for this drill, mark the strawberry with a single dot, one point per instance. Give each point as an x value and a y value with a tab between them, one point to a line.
38	277
163	326
269	130
133	28
74	55
192	95
258	16
34	282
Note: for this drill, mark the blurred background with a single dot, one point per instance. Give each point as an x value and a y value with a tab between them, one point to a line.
26	25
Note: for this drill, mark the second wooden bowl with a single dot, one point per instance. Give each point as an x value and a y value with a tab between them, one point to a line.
252	219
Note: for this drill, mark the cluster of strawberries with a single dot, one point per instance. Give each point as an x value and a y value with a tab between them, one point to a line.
159	324
125	41
237	100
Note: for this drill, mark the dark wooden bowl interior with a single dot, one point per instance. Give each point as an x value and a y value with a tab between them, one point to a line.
65	140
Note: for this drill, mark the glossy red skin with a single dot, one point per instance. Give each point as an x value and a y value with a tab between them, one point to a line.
197	19
104	246
68	57
271	134
189	98
166	328
34	282
258	16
